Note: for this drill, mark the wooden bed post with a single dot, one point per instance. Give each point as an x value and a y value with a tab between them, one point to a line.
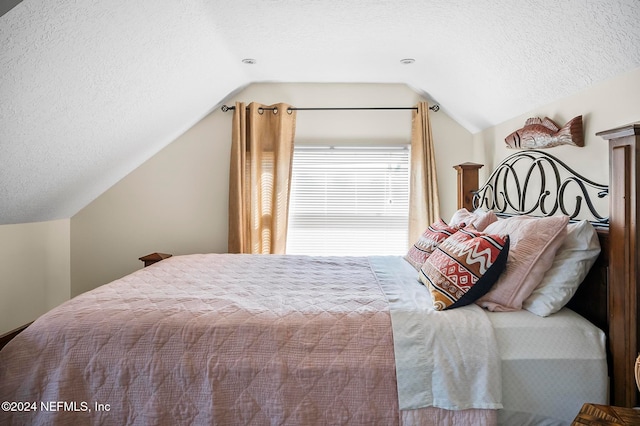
467	182
624	267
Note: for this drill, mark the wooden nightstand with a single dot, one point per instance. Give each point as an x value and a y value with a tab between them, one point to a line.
152	258
594	414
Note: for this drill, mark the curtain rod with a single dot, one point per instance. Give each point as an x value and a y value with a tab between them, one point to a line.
433	108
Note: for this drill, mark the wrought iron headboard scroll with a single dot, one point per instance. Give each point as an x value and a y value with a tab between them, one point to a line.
538	184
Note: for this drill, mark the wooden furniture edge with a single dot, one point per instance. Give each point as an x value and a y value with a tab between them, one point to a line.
467	183
152	258
8	336
597	414
624	268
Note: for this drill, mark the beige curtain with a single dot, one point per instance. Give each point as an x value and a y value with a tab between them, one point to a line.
424	204
261	156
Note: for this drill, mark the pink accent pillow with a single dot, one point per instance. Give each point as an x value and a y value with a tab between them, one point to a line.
478	218
533	245
570	266
436	233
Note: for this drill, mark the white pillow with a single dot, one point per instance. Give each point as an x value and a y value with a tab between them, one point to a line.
572	262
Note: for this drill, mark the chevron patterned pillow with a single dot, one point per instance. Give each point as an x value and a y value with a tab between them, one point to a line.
464	267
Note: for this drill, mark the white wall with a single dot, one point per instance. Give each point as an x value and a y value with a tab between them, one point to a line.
604	106
176	202
34	266
453	143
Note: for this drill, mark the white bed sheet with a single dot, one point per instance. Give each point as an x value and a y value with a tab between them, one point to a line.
444	359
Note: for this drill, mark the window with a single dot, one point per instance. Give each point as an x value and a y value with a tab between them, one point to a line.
349	201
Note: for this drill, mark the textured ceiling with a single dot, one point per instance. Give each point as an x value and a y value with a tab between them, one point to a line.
90	89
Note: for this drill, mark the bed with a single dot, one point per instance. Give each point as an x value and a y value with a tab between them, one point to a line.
243	339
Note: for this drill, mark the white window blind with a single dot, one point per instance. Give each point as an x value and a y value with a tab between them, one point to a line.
349	201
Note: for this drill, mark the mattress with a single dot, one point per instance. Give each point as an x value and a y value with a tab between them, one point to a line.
550	366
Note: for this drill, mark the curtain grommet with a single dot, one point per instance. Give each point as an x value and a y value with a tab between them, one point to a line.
260	110
289	111
275	110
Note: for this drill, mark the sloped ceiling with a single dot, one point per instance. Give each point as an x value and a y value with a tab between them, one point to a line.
91	89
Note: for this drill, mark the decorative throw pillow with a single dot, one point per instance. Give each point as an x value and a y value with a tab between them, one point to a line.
436	233
478	218
464	267
533	245
570	266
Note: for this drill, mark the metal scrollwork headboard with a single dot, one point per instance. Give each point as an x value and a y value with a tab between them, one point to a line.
538	184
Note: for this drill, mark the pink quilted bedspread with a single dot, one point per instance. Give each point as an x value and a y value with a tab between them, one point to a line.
214	339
